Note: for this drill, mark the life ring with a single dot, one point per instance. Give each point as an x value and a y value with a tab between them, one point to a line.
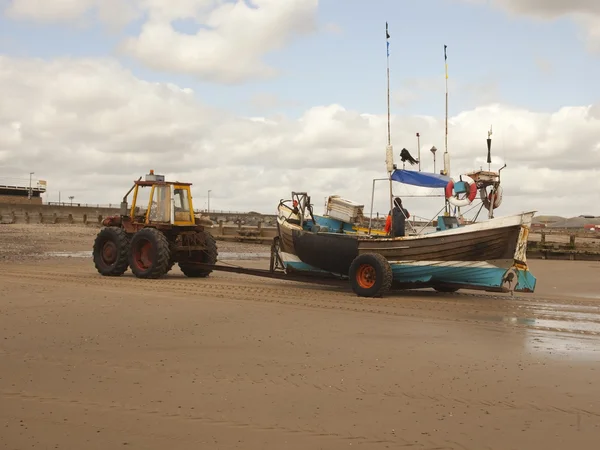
464	201
487	199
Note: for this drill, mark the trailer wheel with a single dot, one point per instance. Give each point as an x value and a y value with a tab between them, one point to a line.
370	275
443	288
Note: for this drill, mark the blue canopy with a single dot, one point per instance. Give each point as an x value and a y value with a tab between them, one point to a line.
422	179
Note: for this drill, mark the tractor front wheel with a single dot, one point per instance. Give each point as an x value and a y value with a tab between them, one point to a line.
208	256
110	251
149	254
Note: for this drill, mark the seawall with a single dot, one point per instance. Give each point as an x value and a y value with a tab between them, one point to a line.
89	214
228	225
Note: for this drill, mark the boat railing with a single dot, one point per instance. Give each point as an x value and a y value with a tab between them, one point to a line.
291	211
431	220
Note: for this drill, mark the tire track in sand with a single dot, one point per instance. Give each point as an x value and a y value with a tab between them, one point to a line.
457	307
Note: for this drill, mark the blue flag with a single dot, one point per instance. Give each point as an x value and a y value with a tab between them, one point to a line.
387	36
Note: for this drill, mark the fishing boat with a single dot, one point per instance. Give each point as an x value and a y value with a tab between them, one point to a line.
487	255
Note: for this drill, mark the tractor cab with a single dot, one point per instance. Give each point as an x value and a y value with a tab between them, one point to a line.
157	202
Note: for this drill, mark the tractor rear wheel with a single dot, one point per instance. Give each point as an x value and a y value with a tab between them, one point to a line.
110	251
208	256
149	253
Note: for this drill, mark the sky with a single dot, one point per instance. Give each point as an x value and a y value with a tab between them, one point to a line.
255	99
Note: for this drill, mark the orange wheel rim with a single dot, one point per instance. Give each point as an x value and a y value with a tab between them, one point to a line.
142	256
365	276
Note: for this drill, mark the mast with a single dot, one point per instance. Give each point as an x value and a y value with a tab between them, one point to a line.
389	156
389	134
446	155
489	161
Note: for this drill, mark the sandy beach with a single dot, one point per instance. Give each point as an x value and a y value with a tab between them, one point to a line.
239	362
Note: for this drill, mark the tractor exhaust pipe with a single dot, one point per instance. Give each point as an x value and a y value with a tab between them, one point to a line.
124	207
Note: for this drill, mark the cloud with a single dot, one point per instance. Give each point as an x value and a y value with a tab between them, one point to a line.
89	127
112	12
551	8
231	49
264	101
586	13
44	11
228	47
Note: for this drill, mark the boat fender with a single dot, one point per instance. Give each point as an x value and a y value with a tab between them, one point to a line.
487	199
468	199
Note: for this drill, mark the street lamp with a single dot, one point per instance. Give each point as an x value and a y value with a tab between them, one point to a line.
433	150
30	192
208	203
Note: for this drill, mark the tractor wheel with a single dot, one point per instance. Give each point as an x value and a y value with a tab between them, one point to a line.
208	256
173	254
370	275
149	253
110	251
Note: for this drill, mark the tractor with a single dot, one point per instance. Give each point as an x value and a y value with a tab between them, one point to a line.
159	230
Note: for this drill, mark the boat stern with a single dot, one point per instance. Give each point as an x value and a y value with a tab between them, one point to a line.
499	275
518	277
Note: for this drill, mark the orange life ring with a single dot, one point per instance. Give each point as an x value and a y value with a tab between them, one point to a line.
487	199
468	199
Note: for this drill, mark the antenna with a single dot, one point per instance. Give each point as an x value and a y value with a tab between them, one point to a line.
489	149
446	156
389	157
419	149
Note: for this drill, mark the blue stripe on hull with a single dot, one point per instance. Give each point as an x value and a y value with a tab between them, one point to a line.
486	277
303	267
483	277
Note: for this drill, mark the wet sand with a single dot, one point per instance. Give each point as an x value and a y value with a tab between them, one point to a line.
241	362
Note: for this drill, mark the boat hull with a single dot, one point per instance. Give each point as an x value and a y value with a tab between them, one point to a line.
462	274
490	255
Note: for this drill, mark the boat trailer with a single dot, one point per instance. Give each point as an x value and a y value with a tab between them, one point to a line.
278	271
278	274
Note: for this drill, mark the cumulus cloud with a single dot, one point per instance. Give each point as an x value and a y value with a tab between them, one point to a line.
551	8
89	127
264	101
229	45
112	12
584	12
43	11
